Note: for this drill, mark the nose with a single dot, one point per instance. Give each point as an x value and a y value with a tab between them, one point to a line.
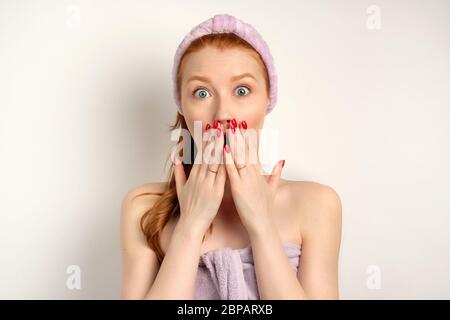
223	110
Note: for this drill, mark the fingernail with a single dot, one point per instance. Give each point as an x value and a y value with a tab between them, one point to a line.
233	123
216	124
243	124
227	148
218	132
233	129
208	126
282	163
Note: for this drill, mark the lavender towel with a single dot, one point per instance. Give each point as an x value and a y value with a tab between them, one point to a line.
229	274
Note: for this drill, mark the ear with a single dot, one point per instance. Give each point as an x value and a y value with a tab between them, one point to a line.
276	173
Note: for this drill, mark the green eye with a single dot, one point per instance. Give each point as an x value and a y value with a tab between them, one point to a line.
202	93
241	90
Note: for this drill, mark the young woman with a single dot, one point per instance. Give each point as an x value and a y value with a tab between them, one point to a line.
222	229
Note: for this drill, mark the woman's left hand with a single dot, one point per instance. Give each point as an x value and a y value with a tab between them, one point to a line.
253	196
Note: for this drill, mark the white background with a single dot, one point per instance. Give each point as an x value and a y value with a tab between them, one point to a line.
86	100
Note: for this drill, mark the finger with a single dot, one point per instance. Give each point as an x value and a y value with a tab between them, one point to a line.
180	176
251	140
230	165
238	147
221	176
197	165
246	143
211	136
244	134
276	173
217	158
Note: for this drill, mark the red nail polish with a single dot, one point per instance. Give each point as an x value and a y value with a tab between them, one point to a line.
208	126
218	132
216	124
243	124
226	148
233	123
282	163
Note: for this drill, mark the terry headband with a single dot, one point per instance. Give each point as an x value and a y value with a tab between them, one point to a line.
224	23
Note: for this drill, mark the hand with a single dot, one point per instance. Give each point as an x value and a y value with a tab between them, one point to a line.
252	194
201	194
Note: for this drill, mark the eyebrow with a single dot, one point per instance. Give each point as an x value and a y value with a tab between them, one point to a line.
234	78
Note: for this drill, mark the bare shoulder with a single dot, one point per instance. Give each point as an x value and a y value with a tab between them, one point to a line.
313	193
315	203
145	190
136	203
141	197
140	263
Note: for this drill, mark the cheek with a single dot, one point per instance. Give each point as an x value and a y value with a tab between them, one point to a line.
254	121
200	126
191	118
253	115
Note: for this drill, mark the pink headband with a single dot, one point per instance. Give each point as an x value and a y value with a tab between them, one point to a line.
225	23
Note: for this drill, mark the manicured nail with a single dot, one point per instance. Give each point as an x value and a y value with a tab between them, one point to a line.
218	132
282	163
227	148
233	123
243	124
208	126
216	124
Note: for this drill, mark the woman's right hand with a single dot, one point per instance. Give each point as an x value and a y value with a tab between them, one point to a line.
201	194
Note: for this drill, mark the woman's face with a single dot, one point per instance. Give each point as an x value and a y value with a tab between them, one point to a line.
222	85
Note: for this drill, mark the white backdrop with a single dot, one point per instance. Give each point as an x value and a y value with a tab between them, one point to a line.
85	103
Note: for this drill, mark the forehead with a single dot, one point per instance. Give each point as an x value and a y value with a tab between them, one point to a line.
214	63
